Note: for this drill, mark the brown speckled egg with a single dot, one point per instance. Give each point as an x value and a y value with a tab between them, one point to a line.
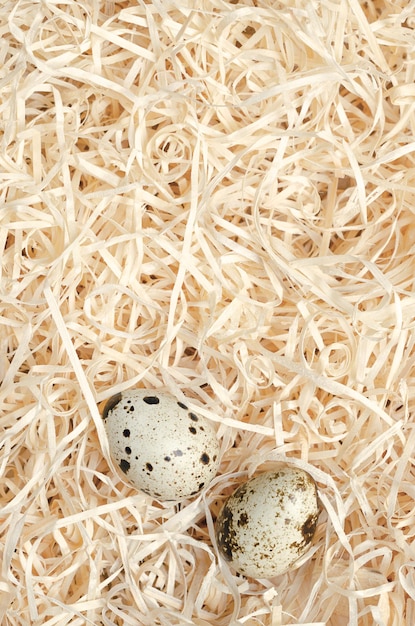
268	523
163	448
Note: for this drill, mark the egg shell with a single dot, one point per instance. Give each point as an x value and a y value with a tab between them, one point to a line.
163	448
268	523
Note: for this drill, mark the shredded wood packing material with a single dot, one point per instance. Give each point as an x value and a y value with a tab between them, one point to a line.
215	198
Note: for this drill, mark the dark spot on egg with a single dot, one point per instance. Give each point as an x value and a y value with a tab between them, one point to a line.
151	400
309	528
225	535
182	406
111	404
167	458
193	430
201	486
303	482
125	466
204	458
240	493
126	432
243	519
149	467
128	450
298	546
178	453
193	417
132	408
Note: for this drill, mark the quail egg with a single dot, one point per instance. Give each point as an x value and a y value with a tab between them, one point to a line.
268	523
163	448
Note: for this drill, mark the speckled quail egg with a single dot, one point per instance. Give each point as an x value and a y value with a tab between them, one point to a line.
268	523
163	448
